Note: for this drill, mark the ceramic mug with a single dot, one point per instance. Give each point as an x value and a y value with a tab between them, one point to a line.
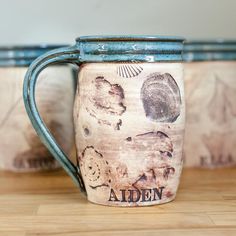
129	117
20	148
210	71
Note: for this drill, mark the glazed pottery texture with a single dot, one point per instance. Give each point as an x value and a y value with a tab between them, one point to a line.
210	73
21	149
129	117
129	124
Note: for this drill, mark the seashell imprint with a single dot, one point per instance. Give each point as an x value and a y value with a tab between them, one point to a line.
154	176
108	97
95	168
106	102
129	70
159	142
156	170
161	98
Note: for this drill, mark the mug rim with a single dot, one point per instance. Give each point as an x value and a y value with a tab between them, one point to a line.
127	38
24	55
210	42
209	50
31	47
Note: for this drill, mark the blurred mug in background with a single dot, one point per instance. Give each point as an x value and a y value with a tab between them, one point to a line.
210	83
20	148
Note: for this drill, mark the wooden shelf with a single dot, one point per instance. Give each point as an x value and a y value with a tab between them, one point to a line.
49	204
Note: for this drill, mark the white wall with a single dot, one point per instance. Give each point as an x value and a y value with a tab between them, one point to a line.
60	21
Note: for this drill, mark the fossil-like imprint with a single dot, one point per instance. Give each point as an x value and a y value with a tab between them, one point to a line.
160	144
106	102
95	168
161	98
154	176
156	168
129	70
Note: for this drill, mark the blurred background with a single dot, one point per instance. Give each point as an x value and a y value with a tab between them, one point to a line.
61	21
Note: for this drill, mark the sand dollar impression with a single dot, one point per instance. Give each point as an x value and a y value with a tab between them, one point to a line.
161	98
95	168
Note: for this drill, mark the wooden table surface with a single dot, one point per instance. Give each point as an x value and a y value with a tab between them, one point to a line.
50	204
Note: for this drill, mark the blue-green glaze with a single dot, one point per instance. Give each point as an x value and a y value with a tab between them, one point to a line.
23	55
94	49
219	50
129	48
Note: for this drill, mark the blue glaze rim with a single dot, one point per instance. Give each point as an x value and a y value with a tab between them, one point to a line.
133	48
119	38
20	56
212	50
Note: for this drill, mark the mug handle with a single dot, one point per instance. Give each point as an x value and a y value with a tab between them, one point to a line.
61	55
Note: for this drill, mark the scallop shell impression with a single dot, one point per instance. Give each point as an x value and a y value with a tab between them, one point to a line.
128	71
161	98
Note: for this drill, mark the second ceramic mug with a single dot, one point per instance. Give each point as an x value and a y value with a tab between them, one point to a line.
20	148
210	71
129	117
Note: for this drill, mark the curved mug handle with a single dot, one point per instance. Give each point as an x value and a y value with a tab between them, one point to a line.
61	55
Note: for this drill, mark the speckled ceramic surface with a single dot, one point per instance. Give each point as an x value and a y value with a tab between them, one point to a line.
210	139
129	118
129	132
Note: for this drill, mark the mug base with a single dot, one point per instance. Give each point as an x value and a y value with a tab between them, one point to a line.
132	204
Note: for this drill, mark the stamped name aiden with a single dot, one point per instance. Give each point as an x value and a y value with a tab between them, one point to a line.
136	195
